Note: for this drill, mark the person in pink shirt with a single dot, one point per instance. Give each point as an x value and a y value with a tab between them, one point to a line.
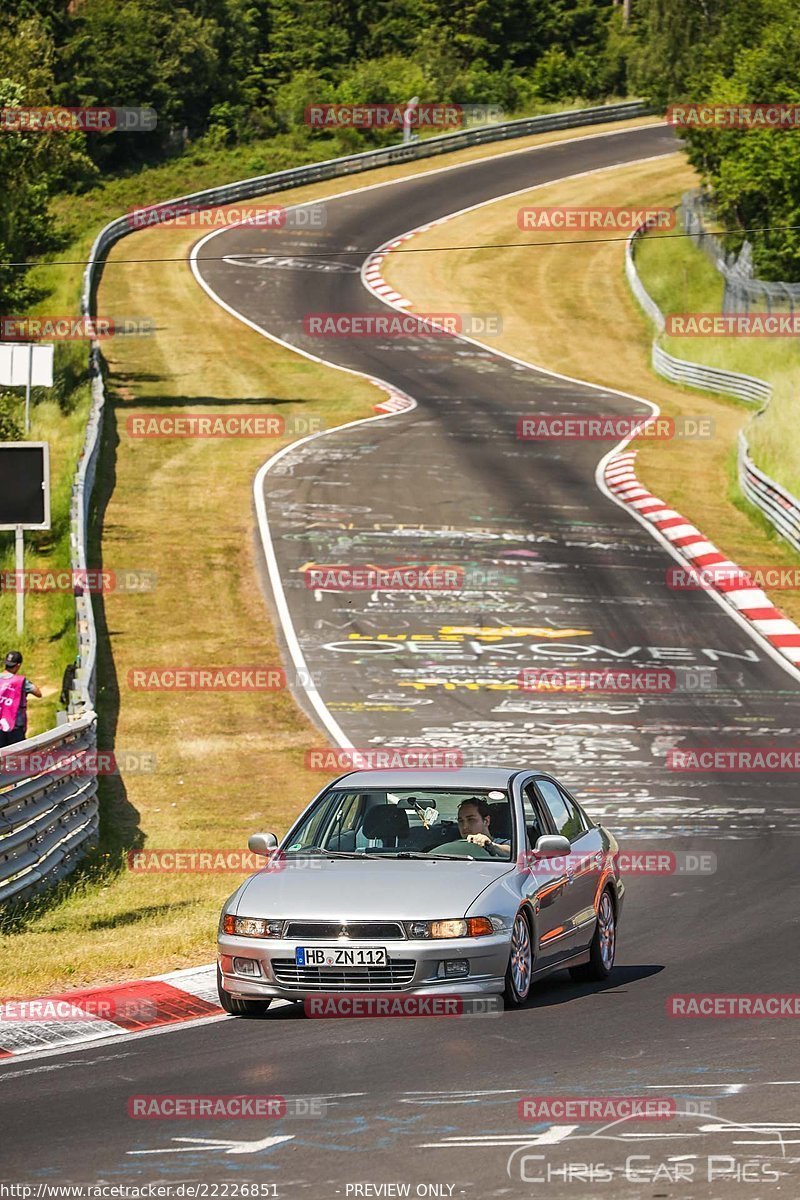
14	692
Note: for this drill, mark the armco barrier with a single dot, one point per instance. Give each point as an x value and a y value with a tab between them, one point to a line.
48	815
679	370
780	507
47	820
709	379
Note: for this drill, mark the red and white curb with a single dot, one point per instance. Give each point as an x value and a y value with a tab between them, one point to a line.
751	603
372	274
89	1014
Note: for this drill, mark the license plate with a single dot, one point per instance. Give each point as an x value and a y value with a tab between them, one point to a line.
341	956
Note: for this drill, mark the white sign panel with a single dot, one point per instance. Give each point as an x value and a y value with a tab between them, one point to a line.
15	364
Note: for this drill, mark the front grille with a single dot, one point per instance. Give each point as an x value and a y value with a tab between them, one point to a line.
397	974
359	931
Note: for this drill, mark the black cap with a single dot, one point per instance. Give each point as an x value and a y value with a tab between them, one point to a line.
13	659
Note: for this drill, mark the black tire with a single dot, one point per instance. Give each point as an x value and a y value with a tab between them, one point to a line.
603	948
237	1007
520	963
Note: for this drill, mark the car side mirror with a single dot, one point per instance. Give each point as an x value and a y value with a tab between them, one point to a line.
552	846
262	843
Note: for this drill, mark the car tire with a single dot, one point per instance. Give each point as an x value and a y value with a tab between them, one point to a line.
237	1007
519	972
603	948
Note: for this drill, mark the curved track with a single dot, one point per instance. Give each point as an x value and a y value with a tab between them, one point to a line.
572	579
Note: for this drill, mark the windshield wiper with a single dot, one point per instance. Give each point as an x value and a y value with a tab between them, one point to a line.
309	850
404	854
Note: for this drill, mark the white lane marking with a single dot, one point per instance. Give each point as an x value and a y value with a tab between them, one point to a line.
729	1089
549	1137
752	1127
59	1066
229	1147
78	1047
329	722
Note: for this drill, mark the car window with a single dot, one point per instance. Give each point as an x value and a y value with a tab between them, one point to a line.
533	819
566	818
382	821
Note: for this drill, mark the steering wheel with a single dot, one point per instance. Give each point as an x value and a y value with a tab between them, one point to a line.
461	846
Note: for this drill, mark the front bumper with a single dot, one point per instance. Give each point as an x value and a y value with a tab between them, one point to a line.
415	967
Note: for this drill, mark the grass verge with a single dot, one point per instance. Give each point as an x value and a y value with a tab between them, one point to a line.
681	279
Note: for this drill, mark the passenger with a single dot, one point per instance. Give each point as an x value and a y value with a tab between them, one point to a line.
473	825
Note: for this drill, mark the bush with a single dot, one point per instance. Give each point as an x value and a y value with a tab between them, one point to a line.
11	416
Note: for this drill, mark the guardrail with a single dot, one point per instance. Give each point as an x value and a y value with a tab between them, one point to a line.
48	818
680	370
709	379
779	506
48	807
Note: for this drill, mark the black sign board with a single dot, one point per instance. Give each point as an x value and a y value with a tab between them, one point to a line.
24	485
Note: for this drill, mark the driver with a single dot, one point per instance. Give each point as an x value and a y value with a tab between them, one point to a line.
473	825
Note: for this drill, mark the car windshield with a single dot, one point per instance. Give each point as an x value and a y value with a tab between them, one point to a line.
404	824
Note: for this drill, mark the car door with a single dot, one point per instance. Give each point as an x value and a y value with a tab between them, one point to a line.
582	871
548	886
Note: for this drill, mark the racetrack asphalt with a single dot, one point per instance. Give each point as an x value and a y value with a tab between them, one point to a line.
562	577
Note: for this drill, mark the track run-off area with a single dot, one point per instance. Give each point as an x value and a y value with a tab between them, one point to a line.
560	575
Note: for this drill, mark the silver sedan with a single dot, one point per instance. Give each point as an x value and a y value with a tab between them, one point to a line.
451	882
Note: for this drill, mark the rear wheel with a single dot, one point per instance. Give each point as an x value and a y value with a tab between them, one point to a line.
520	963
603	949
239	1008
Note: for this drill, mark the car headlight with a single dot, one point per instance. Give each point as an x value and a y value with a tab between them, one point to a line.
251	926
461	927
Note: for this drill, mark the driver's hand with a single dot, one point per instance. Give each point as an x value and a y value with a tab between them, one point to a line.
479	839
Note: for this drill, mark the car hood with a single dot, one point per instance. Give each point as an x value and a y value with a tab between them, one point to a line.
349	889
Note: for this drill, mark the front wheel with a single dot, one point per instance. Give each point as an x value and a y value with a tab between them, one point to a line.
604	945
520	963
239	1008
